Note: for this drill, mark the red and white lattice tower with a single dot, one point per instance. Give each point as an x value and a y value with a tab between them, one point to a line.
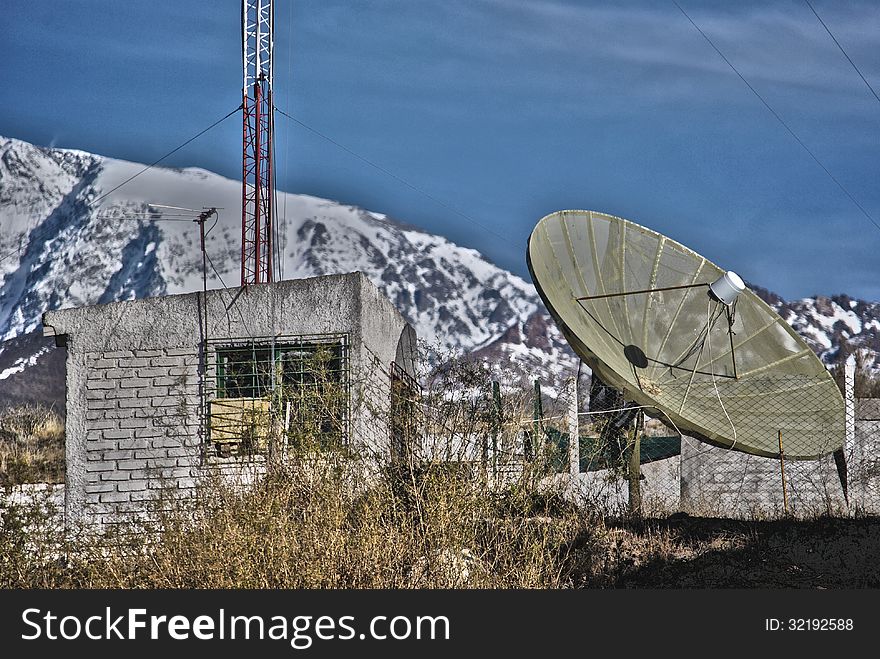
258	183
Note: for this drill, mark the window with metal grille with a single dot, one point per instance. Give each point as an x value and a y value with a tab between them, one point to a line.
296	391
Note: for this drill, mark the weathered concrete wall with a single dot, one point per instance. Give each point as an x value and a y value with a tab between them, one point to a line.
659	486
139	379
710	481
721	482
864	462
729	483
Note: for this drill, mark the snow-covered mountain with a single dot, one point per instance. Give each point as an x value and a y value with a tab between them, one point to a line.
833	326
64	242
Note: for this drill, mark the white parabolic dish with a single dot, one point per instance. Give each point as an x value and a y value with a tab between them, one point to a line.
734	390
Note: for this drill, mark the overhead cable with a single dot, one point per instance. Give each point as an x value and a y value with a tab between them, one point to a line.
780	119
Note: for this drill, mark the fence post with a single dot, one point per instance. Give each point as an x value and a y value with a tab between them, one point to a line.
574	452
782	472
496	425
530	440
539	410
484	452
852	455
634	471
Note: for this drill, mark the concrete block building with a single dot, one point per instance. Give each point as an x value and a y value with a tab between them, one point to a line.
160	391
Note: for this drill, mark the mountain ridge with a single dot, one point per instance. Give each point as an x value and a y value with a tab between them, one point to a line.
61	248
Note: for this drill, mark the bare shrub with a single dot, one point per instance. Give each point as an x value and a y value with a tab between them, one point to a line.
308	524
31	445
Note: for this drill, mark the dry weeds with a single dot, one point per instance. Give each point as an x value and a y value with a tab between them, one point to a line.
31	445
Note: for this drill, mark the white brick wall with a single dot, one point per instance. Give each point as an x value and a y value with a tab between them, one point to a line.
142	428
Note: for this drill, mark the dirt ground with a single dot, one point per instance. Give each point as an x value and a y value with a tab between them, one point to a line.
695	552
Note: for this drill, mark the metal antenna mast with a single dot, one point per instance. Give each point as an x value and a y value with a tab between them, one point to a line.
258	182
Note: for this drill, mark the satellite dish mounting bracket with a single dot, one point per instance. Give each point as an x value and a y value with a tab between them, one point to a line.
730	317
639	292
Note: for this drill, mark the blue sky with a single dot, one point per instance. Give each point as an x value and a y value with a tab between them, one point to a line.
503	110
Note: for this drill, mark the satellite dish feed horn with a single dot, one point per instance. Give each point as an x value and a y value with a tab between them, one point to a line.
724	289
727	287
628	301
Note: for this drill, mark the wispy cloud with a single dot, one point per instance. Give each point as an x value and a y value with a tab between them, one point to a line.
647	51
778	43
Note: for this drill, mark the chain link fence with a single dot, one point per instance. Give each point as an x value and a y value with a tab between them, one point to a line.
259	402
626	461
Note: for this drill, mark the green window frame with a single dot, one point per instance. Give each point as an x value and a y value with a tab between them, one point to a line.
304	379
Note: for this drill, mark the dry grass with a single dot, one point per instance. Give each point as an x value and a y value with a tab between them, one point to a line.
306	526
310	524
31	445
330	519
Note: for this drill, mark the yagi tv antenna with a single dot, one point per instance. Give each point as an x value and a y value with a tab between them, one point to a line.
682	337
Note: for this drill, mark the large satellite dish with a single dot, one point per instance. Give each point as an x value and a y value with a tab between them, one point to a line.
717	362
